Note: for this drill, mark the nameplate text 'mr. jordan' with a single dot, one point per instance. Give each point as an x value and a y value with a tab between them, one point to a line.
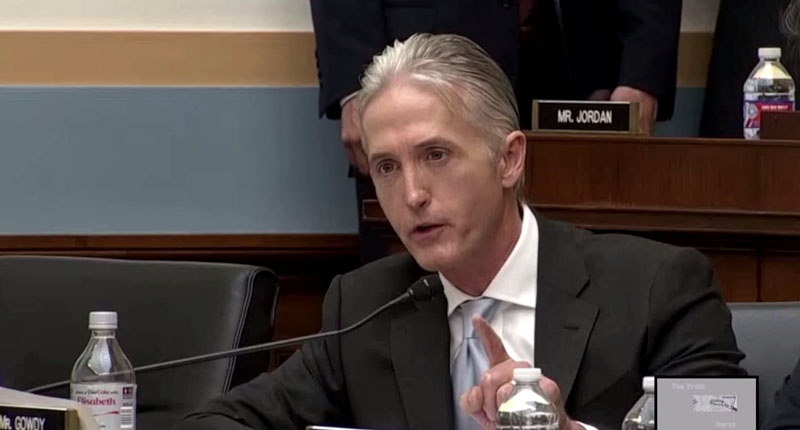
585	116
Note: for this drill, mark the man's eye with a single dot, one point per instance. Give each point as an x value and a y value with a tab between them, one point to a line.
436	155
386	168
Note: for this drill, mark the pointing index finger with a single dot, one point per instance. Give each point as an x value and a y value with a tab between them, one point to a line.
492	343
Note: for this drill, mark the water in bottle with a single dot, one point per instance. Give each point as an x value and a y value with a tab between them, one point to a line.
769	88
642	414
103	379
528	407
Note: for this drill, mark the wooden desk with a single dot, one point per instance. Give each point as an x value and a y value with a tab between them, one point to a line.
737	201
780	125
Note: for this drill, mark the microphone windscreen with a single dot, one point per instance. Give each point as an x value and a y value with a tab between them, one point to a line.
426	288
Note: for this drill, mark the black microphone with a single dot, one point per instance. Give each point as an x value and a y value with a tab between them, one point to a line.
426	288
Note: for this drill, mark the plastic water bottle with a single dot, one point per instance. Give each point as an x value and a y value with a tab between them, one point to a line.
642	415
769	88
103	379
528	407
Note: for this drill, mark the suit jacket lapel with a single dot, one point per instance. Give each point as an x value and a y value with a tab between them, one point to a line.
421	357
563	320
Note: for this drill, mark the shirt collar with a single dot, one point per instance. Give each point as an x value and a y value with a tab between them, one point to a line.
515	282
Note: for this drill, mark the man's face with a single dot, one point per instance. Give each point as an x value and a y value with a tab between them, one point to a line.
435	178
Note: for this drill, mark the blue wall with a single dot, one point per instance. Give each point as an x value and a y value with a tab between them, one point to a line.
686	117
170	160
95	160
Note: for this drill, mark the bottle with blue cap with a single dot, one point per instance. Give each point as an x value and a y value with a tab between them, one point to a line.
102	378
528	407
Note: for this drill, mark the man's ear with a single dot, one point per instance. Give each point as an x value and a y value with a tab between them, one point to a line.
512	158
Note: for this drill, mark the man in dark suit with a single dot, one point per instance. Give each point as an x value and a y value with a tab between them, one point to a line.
624	50
785	414
596	313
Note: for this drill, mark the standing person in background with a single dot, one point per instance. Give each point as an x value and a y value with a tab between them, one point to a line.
623	50
743	26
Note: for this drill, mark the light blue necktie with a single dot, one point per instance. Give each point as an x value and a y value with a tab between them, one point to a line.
471	360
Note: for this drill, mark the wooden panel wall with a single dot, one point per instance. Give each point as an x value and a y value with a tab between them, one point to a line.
737	201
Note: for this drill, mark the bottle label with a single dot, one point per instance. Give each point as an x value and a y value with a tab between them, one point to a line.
753	109
112	405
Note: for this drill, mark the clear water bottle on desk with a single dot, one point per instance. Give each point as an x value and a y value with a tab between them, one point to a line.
102	378
768	88
528	407
642	415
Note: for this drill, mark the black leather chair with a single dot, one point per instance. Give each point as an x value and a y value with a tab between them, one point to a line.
769	335
166	310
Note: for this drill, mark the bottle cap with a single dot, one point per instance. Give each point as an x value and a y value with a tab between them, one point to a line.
102	321
649	384
527	374
769	53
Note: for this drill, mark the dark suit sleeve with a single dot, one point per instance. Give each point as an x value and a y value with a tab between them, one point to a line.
307	389
786	412
649	32
689	329
348	34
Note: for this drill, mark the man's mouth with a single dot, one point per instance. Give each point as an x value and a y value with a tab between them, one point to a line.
425	229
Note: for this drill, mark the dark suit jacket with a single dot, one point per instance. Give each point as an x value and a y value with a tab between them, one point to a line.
610	310
785	414
604	43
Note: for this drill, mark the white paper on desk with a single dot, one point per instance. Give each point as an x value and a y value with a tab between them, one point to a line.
21	398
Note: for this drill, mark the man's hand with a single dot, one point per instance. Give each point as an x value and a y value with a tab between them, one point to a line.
648	106
600	96
482	401
351	137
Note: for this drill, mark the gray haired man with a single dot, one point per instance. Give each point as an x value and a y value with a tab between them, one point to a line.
596	313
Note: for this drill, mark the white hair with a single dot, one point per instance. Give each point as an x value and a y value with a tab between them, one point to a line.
459	71
791	24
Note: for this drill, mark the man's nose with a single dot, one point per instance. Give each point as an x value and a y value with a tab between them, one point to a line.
416	190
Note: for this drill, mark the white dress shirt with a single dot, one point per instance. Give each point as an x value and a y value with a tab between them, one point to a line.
514	287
